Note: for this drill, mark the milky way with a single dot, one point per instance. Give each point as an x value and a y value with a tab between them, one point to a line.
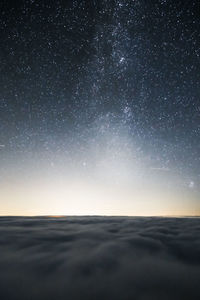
102	97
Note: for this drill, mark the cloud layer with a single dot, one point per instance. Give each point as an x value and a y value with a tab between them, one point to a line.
99	258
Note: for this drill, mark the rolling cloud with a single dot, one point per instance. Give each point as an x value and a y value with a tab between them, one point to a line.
99	258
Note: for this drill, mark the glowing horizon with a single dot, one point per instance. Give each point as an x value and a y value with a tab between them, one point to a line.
112	178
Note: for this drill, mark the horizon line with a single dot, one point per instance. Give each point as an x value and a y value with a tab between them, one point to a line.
89	215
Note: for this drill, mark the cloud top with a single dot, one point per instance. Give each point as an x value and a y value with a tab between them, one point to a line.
99	258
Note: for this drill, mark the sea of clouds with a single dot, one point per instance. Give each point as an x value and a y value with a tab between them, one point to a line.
99	258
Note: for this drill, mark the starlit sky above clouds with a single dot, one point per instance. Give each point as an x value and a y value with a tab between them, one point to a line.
99	108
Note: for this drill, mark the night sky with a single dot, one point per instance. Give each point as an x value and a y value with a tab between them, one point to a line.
99	107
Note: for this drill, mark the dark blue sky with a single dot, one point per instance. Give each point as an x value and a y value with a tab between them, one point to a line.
75	72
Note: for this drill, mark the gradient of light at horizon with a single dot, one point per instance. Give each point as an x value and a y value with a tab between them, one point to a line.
110	177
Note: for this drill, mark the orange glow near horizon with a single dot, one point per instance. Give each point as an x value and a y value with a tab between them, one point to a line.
87	197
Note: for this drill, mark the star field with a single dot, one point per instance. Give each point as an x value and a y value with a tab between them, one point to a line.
106	90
